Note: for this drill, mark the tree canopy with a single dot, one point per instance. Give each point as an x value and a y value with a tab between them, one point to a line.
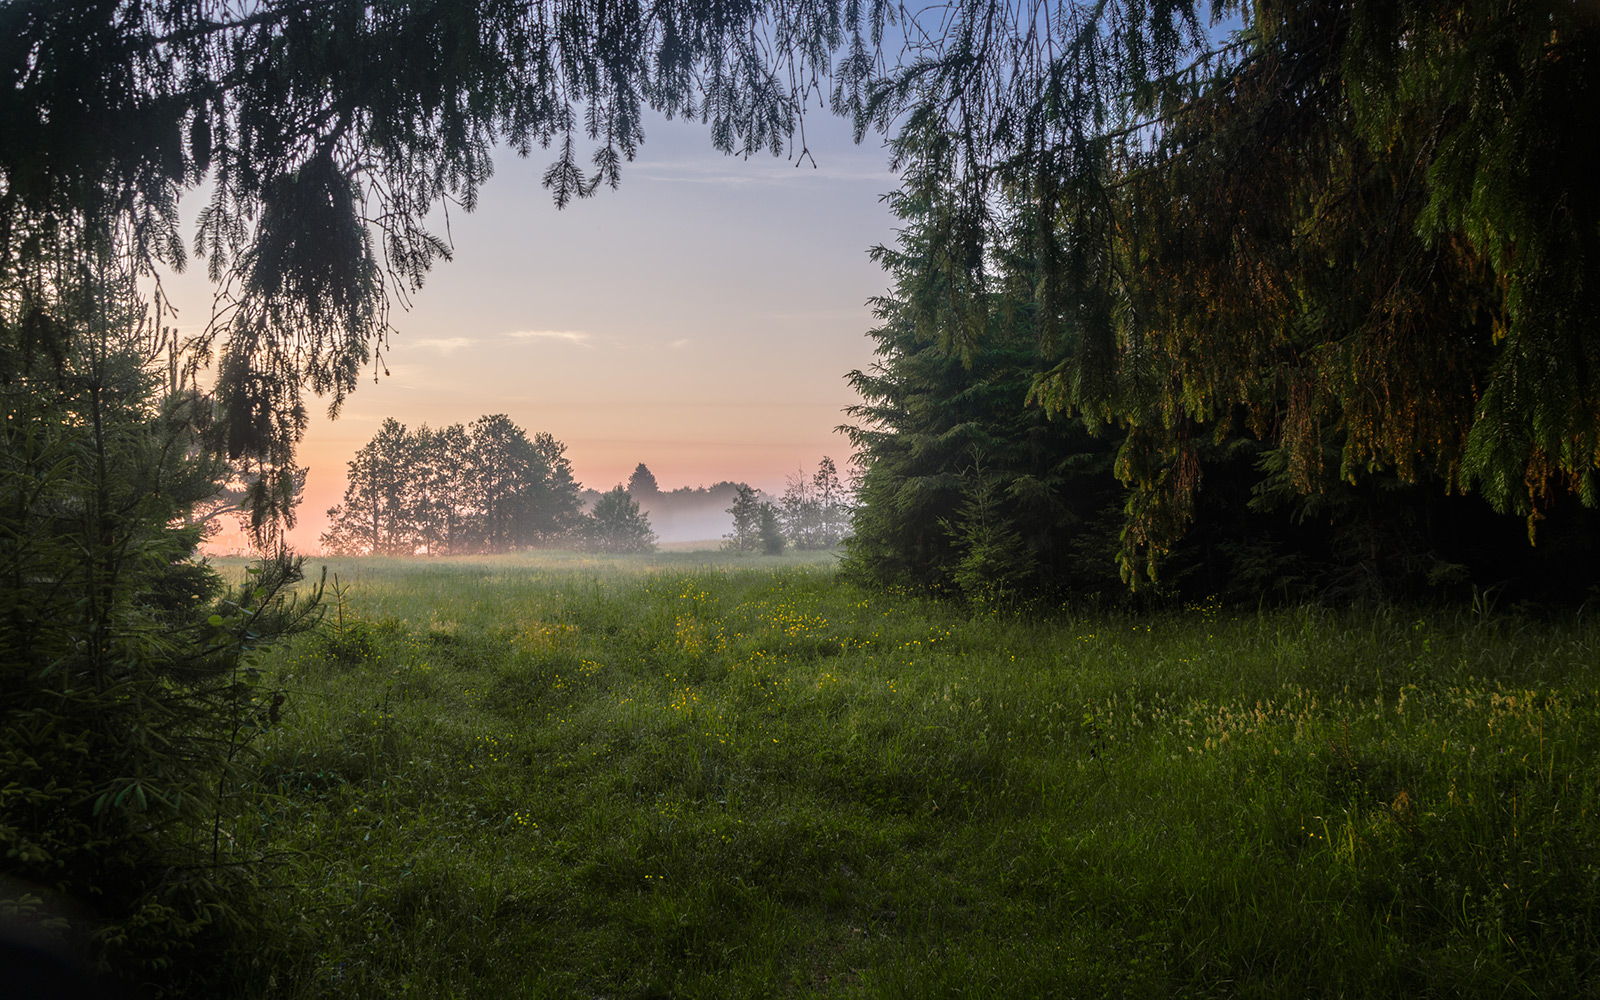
326	133
616	524
1363	233
483	488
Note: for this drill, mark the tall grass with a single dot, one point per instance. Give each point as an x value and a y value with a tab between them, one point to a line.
681	776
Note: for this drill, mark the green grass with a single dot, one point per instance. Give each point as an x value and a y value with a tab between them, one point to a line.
698	776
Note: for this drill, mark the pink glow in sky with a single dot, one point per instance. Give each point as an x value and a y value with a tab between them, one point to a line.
699	319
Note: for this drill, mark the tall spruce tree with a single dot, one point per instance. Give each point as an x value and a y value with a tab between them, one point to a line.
746	511
963	486
130	695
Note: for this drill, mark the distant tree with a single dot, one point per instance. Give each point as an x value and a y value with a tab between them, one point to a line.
128	689
377	516
800	512
642	484
770	531
617	525
507	483
486	488
832	502
563	503
746	511
444	472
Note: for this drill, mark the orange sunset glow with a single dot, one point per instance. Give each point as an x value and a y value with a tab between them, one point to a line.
700	319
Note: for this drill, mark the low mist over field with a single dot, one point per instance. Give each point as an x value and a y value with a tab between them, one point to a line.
489	487
686	514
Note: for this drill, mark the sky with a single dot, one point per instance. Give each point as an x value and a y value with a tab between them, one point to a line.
700	319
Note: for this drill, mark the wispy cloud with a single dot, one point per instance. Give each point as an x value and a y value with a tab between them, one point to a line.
444	345
570	336
679	343
766	171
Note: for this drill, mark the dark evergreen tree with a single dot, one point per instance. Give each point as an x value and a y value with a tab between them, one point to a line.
963	486
642	484
617	525
746	511
769	530
128	696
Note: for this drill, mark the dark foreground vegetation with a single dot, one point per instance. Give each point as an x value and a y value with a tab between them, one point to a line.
648	779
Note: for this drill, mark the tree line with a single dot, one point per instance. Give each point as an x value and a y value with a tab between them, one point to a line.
971	487
813	513
1299	309
479	488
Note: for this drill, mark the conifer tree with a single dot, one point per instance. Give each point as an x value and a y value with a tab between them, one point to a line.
769	530
922	517
128	698
617	525
642	483
833	510
746	511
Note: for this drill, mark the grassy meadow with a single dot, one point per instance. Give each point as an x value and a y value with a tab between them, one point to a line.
691	775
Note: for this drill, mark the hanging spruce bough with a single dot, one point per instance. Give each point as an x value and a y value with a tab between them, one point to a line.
327	133
1367	220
